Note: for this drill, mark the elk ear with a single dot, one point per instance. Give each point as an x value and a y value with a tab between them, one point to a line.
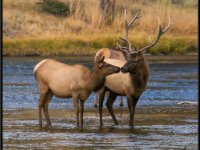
102	58
101	63
97	59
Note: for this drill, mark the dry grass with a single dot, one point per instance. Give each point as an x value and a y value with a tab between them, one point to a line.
23	19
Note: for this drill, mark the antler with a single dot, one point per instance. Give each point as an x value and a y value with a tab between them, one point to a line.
124	49
127	26
161	31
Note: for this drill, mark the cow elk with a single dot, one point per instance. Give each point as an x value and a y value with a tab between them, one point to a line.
66	81
132	80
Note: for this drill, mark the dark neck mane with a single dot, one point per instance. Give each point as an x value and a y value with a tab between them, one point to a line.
140	79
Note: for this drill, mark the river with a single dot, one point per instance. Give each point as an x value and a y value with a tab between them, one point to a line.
166	115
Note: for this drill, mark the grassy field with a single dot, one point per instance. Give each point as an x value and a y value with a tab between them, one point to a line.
29	31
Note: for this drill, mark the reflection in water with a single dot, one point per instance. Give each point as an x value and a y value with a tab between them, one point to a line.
64	135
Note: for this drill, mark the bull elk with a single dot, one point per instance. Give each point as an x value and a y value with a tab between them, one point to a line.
114	54
132	82
66	81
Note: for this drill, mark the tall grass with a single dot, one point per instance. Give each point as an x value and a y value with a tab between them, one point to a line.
26	29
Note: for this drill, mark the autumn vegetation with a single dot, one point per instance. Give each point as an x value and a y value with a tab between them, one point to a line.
31	28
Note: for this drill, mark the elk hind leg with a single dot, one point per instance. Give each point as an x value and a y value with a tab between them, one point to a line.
41	101
101	99
81	112
76	107
49	95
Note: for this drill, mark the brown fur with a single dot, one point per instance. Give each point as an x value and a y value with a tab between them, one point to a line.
131	84
110	53
63	80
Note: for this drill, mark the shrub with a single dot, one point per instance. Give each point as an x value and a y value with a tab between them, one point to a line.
56	8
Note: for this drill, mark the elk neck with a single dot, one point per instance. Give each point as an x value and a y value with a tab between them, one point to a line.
97	79
141	77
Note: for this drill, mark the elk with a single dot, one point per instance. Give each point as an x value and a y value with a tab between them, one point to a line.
132	80
114	54
66	81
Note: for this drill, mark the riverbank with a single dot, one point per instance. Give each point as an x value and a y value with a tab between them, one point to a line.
188	58
155	127
82	45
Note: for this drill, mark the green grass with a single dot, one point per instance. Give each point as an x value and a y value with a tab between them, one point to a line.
81	46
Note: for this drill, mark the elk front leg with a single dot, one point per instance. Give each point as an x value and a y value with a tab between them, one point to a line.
109	104
96	104
81	111
132	101
101	99
135	100
121	104
76	107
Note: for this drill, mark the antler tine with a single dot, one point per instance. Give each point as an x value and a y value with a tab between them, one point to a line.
169	24
127	26
137	16
160	32
124	49
129	44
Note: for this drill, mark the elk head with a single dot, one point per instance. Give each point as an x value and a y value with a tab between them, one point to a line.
104	68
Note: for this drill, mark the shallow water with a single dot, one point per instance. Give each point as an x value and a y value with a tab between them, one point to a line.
160	122
169	129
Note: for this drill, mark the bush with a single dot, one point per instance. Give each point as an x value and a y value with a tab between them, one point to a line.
56	8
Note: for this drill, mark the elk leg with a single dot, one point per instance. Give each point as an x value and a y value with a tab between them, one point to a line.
132	101
109	104
76	107
135	100
41	104
81	111
121	104
131	110
101	99
46	105
96	104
